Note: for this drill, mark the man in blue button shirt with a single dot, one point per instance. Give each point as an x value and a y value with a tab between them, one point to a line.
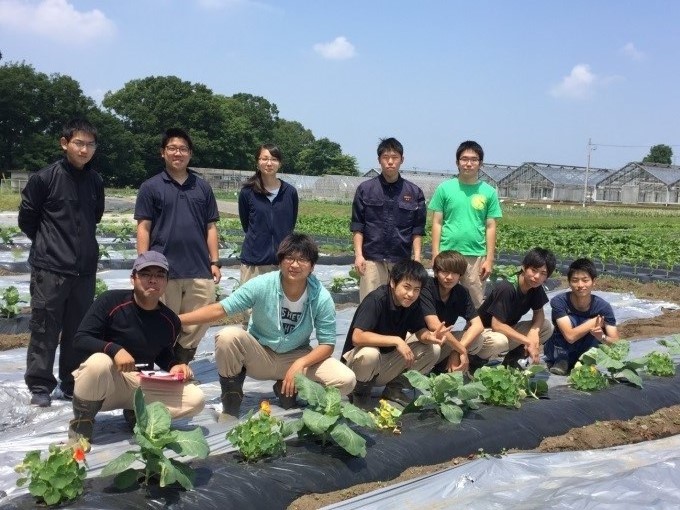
388	220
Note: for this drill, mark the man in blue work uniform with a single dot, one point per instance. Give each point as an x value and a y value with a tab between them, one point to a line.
388	220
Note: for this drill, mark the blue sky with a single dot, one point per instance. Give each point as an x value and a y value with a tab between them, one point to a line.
529	80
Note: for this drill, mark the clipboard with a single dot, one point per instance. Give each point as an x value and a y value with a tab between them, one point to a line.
160	376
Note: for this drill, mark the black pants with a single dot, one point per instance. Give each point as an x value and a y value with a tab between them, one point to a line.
58	304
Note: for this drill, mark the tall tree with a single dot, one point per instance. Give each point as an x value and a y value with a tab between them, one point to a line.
292	138
151	105
659	154
248	123
325	157
33	108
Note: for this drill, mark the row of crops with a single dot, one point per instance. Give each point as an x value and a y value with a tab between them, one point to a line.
619	236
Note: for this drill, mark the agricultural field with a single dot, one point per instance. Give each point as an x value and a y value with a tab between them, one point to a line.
625	238
616	235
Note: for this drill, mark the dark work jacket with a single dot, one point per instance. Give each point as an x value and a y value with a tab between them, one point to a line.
388	215
266	223
59	211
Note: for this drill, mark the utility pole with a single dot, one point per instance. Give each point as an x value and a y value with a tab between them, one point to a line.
585	185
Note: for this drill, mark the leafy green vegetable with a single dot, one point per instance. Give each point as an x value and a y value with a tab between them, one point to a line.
508	386
259	435
672	344
327	417
445	393
613	360
153	435
659	363
587	378
9	302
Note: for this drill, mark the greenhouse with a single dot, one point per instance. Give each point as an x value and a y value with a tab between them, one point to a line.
635	183
641	183
494	174
543	181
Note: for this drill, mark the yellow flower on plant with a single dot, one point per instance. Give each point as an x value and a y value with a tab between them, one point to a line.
265	407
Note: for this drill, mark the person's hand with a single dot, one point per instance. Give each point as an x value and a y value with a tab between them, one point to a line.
183	369
124	362
457	362
216	273
437	337
598	329
532	350
485	269
288	385
406	353
360	264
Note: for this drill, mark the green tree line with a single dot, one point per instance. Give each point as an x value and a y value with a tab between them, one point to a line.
226	130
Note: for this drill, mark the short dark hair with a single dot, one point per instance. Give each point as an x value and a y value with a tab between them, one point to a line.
539	257
450	261
176	133
78	124
390	144
470	145
298	244
583	264
408	269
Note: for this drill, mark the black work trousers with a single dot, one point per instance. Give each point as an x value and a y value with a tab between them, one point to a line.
58	304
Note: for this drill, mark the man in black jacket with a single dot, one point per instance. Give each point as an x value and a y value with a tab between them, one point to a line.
60	208
122	330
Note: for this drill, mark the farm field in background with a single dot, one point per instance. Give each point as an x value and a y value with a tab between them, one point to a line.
617	235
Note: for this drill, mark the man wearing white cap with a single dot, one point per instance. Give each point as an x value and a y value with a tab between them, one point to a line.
123	330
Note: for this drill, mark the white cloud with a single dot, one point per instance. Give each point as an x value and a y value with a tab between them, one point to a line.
55	19
579	84
338	49
630	51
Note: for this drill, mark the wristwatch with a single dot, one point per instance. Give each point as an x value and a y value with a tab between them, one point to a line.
216	263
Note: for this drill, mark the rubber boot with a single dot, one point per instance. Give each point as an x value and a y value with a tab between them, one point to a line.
512	358
284	401
130	418
184	355
232	396
82	423
361	395
475	363
394	391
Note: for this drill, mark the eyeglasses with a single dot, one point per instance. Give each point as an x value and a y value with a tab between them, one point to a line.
474	161
90	146
184	150
303	261
152	276
268	160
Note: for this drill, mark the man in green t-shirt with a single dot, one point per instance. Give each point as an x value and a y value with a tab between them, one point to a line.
465	210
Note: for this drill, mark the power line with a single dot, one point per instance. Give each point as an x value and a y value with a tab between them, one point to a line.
633	146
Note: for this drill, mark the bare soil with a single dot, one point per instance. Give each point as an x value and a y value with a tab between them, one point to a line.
663	423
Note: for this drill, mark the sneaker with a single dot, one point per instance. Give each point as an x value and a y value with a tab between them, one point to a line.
41	399
560	367
130	418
